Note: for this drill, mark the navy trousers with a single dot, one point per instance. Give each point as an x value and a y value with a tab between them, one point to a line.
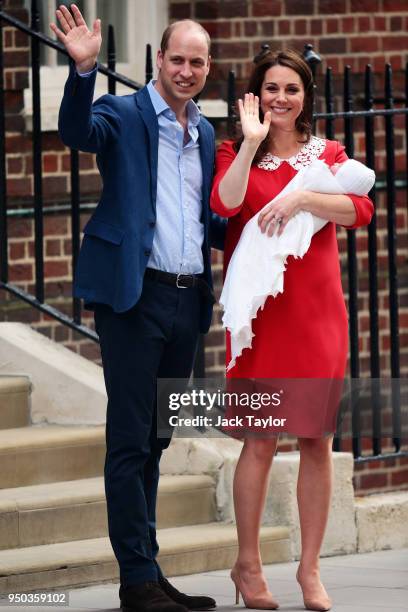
157	338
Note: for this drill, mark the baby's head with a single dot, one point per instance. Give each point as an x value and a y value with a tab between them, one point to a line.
335	168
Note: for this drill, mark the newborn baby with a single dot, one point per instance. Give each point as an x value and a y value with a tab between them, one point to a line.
257	266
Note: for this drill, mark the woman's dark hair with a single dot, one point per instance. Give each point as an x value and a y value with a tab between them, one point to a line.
290	59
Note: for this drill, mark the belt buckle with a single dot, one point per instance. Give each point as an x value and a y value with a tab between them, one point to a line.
178	281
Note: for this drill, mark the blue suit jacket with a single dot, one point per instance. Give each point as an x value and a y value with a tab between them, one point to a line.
123	132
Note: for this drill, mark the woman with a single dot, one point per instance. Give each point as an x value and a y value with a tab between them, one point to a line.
302	333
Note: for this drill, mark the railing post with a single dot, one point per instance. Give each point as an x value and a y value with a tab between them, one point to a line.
352	276
3	174
111	60
37	153
392	255
313	60
149	64
328	91
373	271
231	93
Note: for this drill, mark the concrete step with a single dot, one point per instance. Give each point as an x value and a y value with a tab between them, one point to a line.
34	455
183	550
76	509
381	521
14	401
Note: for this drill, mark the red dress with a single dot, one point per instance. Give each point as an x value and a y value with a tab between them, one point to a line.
303	332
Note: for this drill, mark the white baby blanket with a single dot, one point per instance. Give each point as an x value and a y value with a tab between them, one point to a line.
258	263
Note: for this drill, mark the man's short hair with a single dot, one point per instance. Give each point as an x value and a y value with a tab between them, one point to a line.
194	25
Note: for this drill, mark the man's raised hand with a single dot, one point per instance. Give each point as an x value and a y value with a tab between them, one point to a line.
82	44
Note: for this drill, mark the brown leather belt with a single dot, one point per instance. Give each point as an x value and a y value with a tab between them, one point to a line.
181	281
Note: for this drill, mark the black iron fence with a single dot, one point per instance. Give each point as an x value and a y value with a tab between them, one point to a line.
370	109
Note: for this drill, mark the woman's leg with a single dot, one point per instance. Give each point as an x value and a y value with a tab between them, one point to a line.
314	490
250	487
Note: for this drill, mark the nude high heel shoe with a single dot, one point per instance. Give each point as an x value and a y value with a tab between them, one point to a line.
262	601
320	605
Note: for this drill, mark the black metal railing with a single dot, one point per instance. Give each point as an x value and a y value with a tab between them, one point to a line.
330	119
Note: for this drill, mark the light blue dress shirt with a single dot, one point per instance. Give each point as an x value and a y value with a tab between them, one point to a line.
179	233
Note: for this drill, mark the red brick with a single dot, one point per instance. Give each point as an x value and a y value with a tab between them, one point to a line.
8	38
52	142
14	101
233	8
217	29
20	14
331	7
347	24
19	187
332	45
206	10
373	481
266	8
300	27
18	144
251	28
54	186
16	250
268	28
55	269
55	225
396	24
50	163
16	59
67	247
21	39
394	5
332	26
399	478
20	228
299	7
283	27
394	43
231	50
52	248
14	165
86	161
20	272
91	184
364	6
180	10
316	26
364	24
379	23
363	44
90	350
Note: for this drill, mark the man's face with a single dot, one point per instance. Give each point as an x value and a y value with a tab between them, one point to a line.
184	67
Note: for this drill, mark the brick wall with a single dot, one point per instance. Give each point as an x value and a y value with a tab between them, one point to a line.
344	32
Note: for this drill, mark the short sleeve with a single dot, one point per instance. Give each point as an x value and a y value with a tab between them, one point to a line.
362	204
224	158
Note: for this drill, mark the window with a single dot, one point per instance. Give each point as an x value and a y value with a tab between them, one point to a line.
136	22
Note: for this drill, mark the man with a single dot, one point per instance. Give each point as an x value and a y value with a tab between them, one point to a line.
144	268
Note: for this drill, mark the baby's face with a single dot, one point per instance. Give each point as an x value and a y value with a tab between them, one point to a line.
335	168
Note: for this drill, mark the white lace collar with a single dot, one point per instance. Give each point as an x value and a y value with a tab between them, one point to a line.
309	152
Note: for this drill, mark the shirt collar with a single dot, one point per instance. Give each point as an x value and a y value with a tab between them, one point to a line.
160	106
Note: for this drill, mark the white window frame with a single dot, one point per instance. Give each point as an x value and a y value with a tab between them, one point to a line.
145	24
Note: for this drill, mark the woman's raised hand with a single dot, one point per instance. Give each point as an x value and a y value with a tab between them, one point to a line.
252	129
82	44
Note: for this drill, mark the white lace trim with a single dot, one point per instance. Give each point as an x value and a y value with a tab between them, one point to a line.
309	152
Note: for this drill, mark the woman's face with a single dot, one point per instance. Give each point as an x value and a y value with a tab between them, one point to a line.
283	94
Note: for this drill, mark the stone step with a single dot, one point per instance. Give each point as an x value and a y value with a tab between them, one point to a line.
183	550
76	509
381	521
35	455
15	394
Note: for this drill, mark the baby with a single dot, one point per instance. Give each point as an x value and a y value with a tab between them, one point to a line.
259	261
